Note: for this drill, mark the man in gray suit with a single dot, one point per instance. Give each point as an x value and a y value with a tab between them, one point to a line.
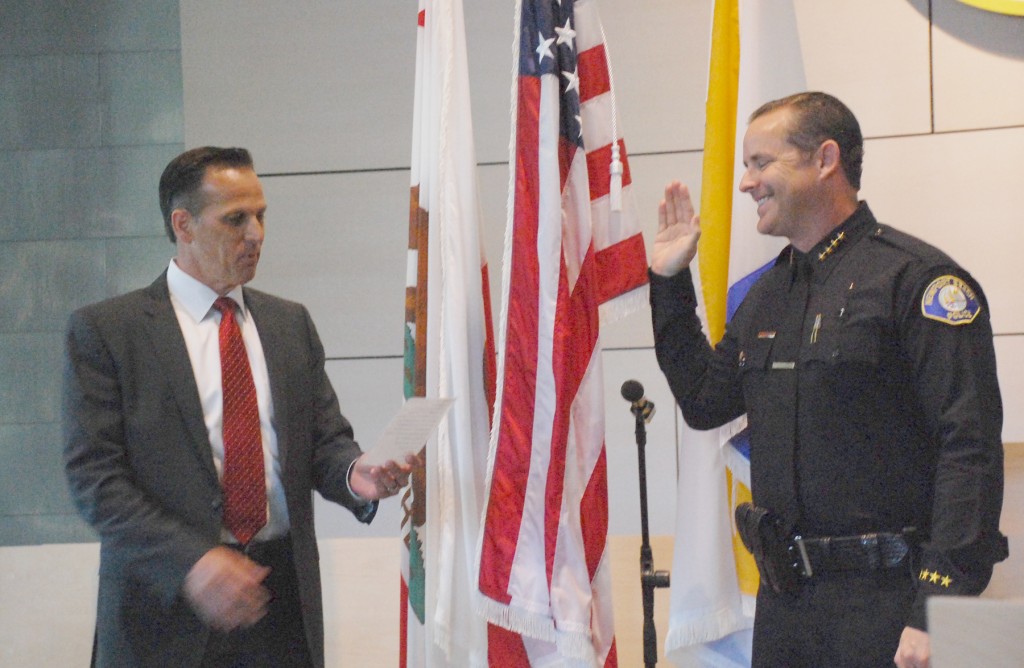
147	445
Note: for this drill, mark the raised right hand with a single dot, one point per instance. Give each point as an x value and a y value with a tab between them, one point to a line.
675	245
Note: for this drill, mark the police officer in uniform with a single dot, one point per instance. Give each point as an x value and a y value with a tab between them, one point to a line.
863	359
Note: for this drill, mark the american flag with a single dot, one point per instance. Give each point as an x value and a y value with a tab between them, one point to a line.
574	257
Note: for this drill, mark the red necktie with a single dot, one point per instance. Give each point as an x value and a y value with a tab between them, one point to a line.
245	490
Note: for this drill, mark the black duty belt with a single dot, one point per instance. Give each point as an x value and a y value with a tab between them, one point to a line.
784	560
864	552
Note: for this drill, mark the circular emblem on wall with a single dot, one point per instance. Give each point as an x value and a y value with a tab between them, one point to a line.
1011	7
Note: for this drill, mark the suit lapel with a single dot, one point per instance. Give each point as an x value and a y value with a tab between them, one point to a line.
272	331
169	349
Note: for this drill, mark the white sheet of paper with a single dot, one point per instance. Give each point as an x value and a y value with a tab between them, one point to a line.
408	431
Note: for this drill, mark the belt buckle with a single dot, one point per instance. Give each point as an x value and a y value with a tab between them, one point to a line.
872	550
803	566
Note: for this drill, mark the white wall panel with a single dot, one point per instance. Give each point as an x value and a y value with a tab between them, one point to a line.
489	47
959	192
1010	361
978	67
49	604
621	448
873	55
308	86
370	393
659	53
338	243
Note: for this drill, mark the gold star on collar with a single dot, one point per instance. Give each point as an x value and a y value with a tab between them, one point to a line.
832	245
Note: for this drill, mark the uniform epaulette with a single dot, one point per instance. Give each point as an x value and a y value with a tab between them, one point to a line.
908	243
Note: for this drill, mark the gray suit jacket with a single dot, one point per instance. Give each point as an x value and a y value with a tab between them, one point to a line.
140	468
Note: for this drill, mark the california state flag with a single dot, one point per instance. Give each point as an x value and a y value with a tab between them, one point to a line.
449	352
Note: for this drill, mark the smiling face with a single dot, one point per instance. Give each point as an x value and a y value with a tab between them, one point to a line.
783	179
220	245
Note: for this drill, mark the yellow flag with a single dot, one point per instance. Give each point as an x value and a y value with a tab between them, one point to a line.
719	154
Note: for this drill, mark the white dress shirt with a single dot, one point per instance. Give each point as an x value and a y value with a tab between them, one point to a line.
200	325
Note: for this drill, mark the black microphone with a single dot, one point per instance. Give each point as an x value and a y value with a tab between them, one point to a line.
633	392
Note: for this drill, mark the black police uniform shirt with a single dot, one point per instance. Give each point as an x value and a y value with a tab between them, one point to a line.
867	372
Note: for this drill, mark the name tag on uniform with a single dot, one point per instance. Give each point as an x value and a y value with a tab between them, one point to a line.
783	365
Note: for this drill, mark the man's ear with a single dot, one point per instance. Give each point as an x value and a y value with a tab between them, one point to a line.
829	160
181	223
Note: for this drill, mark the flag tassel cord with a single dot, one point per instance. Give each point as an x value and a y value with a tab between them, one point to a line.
615	188
638	299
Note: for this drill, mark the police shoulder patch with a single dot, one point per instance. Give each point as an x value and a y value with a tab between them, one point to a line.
950	300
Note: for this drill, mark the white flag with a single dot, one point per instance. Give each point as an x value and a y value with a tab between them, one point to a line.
449	354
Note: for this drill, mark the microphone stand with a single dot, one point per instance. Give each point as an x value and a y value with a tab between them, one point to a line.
650	579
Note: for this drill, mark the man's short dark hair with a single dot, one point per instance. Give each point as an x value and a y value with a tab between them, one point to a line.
818	118
183	177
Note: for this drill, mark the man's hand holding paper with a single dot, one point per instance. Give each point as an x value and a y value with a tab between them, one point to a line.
378	474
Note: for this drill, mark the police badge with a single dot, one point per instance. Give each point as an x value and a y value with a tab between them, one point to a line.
950	300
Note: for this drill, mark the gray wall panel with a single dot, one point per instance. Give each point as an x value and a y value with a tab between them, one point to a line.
959	192
142	102
124	202
76	26
660	96
36	505
41	283
30	378
135	263
49	101
78	193
1009	352
91	109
